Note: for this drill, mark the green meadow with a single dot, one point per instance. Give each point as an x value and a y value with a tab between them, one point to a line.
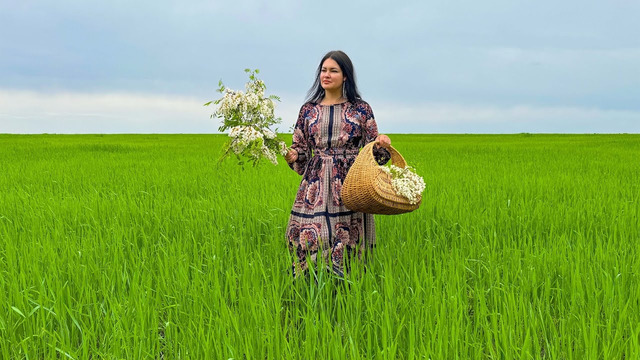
144	247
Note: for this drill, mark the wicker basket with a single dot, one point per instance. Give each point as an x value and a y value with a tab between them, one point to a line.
367	188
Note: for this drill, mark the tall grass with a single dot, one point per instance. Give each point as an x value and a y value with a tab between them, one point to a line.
141	246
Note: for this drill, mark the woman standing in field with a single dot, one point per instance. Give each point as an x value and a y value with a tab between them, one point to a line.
333	124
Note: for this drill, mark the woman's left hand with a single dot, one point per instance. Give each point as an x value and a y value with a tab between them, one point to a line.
384	141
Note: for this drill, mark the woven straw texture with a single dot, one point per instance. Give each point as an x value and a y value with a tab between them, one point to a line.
367	188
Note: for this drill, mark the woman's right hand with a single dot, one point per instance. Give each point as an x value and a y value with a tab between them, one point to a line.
292	155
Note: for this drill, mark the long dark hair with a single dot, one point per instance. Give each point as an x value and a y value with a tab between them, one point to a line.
316	93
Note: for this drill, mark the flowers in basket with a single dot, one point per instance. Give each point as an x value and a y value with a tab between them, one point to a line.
405	182
248	115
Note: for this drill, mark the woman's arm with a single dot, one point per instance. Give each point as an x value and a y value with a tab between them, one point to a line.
298	155
371	134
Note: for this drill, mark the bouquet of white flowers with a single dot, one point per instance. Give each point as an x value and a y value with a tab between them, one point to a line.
406	182
248	115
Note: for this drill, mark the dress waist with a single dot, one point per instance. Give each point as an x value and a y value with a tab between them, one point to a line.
333	152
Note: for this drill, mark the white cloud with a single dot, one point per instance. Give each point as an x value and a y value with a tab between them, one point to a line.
463	118
34	112
38	112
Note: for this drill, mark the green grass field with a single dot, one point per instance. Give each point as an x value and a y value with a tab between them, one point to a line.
142	247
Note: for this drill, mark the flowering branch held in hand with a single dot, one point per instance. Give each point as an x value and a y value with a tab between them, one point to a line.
248	115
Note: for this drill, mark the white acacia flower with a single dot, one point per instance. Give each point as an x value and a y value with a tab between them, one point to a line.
283	148
267	107
248	114
242	136
269	154
405	182
268	134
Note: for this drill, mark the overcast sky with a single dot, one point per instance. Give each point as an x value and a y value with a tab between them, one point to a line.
424	66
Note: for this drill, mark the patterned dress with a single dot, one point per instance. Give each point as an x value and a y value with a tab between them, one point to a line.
327	139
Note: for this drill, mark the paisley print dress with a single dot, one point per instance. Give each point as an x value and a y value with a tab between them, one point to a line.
327	139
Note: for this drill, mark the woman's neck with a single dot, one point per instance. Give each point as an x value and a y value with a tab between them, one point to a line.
332	97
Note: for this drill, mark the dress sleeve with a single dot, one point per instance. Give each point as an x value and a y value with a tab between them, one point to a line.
301	143
370	129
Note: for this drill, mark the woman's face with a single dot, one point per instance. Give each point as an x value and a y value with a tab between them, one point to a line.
331	77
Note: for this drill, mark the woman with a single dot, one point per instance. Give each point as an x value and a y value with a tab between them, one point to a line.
332	126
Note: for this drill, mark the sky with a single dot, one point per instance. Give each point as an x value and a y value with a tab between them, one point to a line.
425	66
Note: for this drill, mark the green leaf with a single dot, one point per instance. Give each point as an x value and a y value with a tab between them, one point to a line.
34	310
18	311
